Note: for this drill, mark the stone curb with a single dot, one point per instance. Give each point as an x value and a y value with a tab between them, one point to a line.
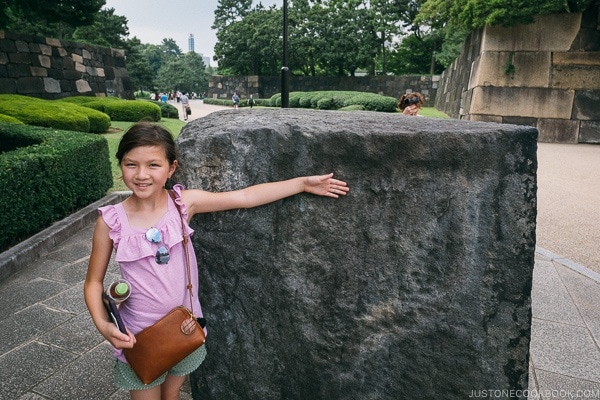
569	264
29	250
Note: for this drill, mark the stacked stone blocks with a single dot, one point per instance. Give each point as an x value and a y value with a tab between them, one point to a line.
546	74
50	68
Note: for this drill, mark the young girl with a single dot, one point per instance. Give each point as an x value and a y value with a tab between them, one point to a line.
410	104
145	232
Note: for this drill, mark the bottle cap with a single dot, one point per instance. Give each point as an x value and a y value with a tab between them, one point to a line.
121	288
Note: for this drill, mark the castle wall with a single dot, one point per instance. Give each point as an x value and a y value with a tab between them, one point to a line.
51	68
545	74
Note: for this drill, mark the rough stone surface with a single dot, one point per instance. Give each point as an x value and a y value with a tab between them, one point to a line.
414	286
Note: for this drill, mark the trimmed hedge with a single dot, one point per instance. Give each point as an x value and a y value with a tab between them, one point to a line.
119	109
242	103
52	173
166	110
324	100
335	100
8	118
47	113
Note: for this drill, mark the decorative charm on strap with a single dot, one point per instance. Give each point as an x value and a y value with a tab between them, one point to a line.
188	326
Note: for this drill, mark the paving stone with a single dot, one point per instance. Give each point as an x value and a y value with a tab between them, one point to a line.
70	300
77	334
564	349
556	386
25	294
70	274
89	377
549	289
23	368
27	324
585	294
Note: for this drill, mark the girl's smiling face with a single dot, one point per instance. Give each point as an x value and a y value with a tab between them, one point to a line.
146	170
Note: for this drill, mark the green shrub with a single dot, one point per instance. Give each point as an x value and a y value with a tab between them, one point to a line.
46	113
355	107
166	110
119	109
262	102
52	173
219	102
335	100
8	118
326	103
276	100
295	99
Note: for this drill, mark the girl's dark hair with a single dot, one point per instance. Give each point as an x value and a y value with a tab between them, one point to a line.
147	134
411	98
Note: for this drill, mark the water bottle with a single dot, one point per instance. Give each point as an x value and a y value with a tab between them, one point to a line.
119	290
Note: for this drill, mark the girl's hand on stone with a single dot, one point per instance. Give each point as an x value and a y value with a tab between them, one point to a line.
325	185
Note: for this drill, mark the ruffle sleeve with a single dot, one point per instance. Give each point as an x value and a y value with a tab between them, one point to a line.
178	188
111	217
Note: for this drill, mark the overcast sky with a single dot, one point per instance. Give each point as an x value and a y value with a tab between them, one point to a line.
153	20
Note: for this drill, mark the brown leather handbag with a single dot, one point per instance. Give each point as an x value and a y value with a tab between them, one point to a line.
175	336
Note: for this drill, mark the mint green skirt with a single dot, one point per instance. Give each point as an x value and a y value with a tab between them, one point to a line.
126	379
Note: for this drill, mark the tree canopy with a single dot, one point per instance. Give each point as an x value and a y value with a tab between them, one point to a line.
469	14
41	17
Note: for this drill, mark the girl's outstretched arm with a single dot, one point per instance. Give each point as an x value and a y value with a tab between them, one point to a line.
198	201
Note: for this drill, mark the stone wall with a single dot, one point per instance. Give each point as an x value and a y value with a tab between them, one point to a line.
262	87
416	285
51	68
545	74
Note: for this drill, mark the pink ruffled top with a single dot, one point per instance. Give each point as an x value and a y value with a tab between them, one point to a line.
156	288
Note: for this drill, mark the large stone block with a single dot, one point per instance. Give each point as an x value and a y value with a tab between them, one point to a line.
558	130
586	105
550	32
531	69
30	85
576	77
522	102
414	286
589	132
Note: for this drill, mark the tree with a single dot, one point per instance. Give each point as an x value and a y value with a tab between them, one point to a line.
470	14
42	17
245	47
107	30
138	67
230	11
414	53
186	73
388	18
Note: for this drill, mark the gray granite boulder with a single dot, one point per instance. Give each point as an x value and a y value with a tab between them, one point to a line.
414	286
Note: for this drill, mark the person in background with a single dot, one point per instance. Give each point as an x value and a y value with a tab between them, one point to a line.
185	105
251	101
236	100
411	103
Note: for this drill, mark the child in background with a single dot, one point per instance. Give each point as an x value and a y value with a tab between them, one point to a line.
411	103
145	232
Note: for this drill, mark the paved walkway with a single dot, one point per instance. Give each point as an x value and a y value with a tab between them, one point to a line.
49	348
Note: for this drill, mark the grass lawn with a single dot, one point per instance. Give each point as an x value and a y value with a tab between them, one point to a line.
113	138
432	112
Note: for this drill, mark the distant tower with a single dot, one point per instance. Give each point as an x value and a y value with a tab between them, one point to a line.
191	43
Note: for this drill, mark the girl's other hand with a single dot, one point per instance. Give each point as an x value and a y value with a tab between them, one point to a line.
325	185
117	338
